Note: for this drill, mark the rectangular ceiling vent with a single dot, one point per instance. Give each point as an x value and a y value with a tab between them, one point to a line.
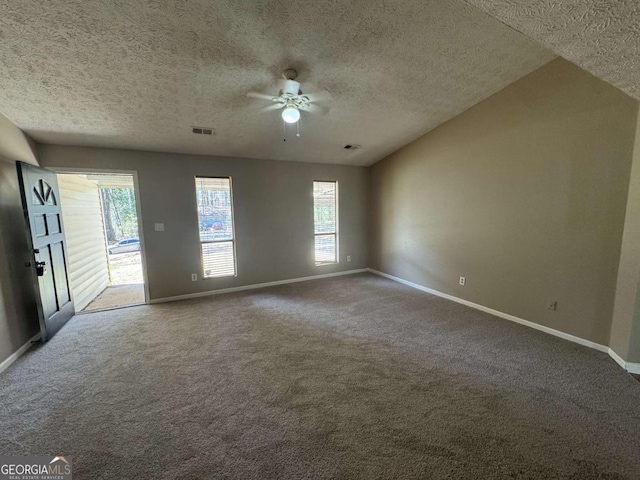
203	130
351	147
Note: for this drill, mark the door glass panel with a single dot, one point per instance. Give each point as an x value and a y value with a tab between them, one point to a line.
46	190
43	194
51	198
36	195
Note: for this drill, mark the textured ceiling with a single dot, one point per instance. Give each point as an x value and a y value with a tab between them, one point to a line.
138	74
601	36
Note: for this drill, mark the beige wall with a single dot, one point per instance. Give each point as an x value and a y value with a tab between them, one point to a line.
273	209
18	314
524	195
634	341
627	291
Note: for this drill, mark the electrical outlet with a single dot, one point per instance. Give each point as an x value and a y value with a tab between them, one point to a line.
552	305
194	277
348	258
159	227
463	280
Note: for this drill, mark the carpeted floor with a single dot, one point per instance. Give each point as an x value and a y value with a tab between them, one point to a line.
348	377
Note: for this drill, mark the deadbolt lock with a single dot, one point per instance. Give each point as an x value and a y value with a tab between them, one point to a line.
41	268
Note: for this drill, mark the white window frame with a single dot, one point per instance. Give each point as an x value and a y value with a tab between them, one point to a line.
233	229
335	233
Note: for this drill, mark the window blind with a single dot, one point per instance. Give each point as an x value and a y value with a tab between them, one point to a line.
325	220
215	224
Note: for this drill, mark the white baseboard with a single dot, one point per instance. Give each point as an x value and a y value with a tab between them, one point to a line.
18	353
633	368
521	321
630	367
617	358
254	286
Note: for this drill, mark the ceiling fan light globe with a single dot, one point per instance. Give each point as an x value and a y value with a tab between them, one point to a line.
290	115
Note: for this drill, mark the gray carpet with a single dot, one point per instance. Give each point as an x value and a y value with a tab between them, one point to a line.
348	377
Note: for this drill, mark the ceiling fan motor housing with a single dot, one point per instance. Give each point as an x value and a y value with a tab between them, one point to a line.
290	86
290	95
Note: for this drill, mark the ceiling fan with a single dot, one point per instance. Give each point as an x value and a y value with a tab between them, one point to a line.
292	100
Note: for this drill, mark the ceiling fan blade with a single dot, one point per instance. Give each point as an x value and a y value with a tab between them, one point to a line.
261	96
320	96
316	109
269	108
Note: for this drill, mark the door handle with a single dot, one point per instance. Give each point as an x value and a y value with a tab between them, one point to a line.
41	268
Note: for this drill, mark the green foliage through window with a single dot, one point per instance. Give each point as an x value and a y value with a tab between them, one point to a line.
120	216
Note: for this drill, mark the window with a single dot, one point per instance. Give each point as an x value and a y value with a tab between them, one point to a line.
325	221
215	223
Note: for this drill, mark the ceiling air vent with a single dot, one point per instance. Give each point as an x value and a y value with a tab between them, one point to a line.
202	130
351	147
